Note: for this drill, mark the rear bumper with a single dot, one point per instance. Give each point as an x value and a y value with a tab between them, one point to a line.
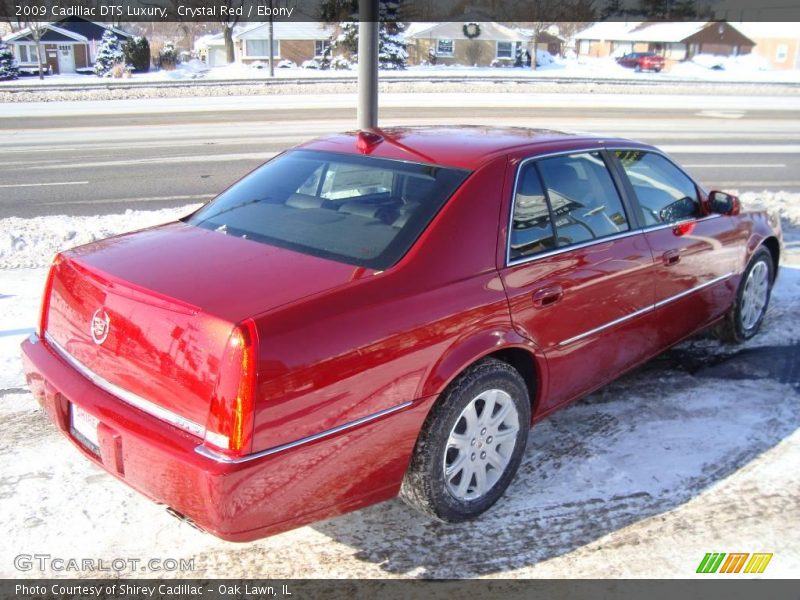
234	501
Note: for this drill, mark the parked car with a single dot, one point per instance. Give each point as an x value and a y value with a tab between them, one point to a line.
384	312
642	61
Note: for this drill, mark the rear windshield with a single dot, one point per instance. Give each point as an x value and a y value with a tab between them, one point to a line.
354	209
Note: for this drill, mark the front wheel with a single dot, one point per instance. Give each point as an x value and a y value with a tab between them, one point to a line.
752	298
471	444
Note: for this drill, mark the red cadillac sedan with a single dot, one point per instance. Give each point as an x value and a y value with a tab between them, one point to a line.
384	312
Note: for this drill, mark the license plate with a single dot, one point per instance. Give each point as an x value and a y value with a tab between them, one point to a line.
85	425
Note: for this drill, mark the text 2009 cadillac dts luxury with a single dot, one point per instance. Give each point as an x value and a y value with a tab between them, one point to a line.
384	312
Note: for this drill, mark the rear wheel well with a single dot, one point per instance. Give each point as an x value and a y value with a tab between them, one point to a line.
774	248
524	363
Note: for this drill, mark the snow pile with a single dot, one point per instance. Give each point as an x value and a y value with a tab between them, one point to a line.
34	242
544	58
785	204
192	69
710	66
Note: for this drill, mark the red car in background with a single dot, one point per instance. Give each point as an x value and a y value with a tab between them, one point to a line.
384	312
642	61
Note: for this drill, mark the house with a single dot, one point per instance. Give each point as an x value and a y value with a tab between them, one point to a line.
480	43
675	41
68	45
778	43
297	42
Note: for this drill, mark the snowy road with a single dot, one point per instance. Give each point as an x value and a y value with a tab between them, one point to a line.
87	158
698	451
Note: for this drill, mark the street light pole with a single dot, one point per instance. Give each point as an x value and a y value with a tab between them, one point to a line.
367	64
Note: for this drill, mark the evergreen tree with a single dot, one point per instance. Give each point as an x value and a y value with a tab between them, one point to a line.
347	40
137	53
612	8
108	55
391	44
8	64
683	9
654	9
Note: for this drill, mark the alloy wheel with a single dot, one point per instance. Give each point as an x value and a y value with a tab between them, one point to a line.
754	295
480	445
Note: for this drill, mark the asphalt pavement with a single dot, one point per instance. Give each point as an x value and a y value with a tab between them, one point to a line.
63	159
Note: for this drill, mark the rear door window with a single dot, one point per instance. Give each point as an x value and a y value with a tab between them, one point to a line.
531	225
562	201
665	193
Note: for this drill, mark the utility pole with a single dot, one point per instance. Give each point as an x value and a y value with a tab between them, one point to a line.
271	43
367	64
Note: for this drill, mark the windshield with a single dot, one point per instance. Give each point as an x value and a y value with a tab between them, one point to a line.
355	209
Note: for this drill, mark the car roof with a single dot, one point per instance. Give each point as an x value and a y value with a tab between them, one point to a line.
461	146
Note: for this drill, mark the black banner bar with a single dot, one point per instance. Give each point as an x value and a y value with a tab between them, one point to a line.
334	589
531	11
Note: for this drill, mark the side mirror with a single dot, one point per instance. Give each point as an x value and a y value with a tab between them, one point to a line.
722	203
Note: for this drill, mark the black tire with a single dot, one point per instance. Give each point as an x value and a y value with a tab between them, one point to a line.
732	329
424	486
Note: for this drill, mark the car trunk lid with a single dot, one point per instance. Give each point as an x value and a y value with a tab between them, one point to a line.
151	313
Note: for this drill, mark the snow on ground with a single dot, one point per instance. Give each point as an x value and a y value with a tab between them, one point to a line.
422	94
747	68
640	479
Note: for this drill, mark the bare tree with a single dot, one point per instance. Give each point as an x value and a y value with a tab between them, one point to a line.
543	14
189	31
474	52
229	22
36	30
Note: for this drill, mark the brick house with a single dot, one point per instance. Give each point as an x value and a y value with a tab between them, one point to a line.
67	45
777	42
449	44
297	42
675	41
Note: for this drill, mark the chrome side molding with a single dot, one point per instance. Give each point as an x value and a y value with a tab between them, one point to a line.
642	311
218	457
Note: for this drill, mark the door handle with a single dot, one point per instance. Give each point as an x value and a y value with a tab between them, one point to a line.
671	257
547	296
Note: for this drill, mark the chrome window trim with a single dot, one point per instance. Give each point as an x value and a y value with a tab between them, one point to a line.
642	311
579	150
556	251
611	148
679	223
221	458
130	398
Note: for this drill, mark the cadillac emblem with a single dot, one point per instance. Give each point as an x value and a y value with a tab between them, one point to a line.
100	325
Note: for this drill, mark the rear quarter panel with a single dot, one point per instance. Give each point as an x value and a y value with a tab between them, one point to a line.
393	337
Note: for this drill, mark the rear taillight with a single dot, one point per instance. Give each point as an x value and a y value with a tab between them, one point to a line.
230	419
48	289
